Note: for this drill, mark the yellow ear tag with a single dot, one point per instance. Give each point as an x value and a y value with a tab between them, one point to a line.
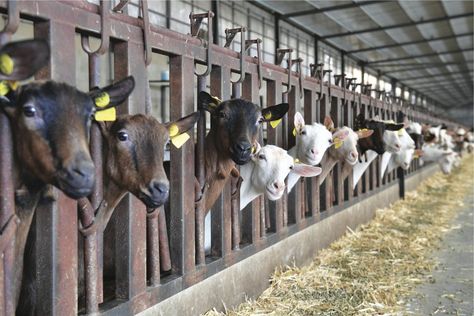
217	101
106	115
102	100
268	116
179	140
296	160
400	132
4	87
274	124
294	132
6	64
13	85
173	130
338	142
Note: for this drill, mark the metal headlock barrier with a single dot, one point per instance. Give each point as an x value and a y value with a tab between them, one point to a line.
158	254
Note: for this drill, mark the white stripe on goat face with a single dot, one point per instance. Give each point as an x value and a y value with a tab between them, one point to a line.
272	165
404	157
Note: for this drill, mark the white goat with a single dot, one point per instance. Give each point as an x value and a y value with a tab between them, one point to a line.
344	150
402	158
311	143
445	158
266	173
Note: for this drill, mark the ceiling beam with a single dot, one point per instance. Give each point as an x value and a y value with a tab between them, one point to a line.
426	64
422	66
396	26
331	8
436	75
419	56
425	40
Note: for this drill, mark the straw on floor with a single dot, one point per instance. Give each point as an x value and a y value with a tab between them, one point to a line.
371	270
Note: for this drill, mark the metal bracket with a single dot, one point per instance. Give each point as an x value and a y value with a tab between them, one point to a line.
349	83
339	80
119	7
146	31
249	43
229	37
11	26
328	71
281	52
298	62
196	21
104	32
316	71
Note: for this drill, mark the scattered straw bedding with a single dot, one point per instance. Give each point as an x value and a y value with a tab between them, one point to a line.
371	271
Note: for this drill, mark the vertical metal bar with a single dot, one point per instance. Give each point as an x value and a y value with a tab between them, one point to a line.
7	209
274	136
153	246
56	222
250	93
312	188
221	216
130	214
201	176
181	198
294	197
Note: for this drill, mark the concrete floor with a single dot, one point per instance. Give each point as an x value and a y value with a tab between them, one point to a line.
451	292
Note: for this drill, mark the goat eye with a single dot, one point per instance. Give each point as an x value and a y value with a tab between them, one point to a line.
291	167
122	136
303	132
223	115
29	110
261	157
330	141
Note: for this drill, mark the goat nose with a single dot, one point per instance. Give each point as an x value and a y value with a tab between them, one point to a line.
314	151
278	185
354	155
158	188
243	146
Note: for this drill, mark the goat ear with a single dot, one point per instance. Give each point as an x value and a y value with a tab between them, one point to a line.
275	112
207	101
363	133
21	60
113	95
328	123
104	127
376	118
304	170
393	126
299	122
182	125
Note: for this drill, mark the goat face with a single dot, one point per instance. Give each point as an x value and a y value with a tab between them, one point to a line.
313	140
272	166
51	124
404	157
235	124
348	138
135	147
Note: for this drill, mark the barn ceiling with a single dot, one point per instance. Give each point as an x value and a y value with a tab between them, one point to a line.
424	45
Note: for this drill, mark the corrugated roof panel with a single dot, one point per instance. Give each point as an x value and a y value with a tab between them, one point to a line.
462	25
457	7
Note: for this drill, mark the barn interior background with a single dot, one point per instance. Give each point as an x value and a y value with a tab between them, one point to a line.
394	59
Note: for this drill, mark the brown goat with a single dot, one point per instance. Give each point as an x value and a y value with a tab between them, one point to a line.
134	149
50	123
234	129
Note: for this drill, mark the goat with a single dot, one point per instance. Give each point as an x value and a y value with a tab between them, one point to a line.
344	150
234	128
51	150
311	142
402	158
266	173
382	138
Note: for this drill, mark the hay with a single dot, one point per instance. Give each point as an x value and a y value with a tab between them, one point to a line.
374	269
